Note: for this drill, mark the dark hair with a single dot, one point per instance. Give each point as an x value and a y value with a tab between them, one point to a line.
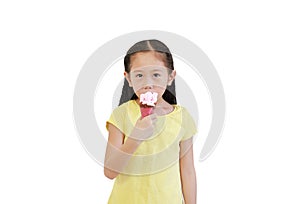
142	46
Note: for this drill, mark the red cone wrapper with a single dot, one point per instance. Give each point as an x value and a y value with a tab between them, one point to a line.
145	111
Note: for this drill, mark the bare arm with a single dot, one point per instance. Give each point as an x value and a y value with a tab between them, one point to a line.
187	172
118	153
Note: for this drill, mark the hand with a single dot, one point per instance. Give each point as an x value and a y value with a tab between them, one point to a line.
144	127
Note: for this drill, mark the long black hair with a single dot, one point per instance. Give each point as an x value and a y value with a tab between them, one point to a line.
142	46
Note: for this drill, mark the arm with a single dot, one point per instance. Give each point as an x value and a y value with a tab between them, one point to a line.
118	153
187	172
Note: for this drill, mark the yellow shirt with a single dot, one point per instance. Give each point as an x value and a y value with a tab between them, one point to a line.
152	175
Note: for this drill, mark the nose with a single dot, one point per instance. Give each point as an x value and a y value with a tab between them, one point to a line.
148	83
147	87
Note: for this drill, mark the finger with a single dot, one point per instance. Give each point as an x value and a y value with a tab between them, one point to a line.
154	120
153	116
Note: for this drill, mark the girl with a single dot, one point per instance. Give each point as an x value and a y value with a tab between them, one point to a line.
151	157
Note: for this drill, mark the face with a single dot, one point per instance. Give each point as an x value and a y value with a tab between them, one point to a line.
149	73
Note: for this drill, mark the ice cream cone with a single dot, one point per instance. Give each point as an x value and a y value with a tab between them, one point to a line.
148	101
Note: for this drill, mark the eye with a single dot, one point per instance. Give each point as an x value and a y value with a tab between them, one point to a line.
138	75
156	75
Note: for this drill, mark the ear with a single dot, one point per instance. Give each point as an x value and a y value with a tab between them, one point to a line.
128	78
171	77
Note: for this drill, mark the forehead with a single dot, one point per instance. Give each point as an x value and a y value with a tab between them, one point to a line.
148	58
150	68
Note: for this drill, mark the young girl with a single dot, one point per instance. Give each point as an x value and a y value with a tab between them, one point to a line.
151	157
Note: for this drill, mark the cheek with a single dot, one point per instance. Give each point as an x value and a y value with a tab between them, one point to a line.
137	87
155	83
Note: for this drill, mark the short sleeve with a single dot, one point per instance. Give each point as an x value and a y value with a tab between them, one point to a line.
117	118
188	123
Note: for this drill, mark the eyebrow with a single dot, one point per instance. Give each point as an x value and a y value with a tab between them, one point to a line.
155	70
134	71
141	70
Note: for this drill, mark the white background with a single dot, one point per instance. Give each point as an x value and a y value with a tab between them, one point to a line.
254	46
